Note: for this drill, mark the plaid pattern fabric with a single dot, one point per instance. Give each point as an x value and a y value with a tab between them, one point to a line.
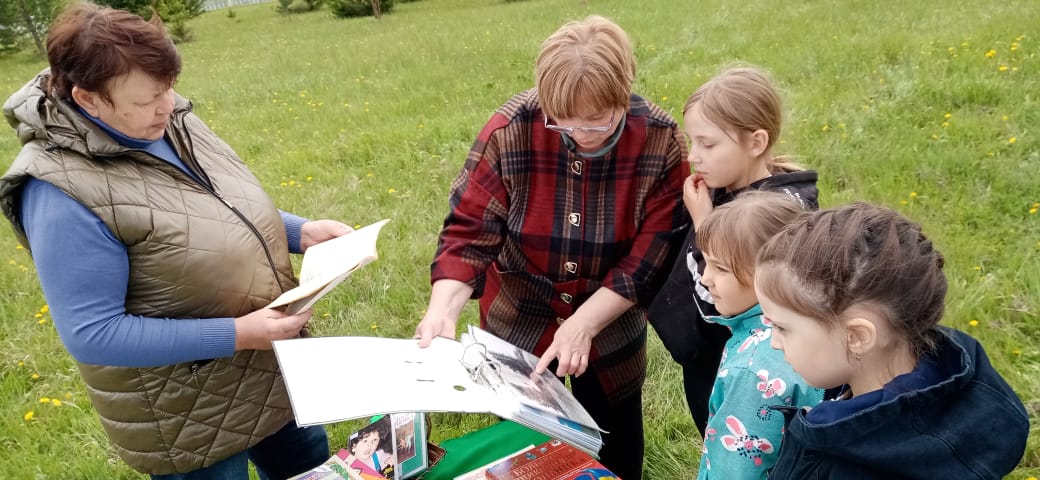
535	230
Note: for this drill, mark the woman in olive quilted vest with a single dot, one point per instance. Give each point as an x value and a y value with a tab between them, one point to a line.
157	251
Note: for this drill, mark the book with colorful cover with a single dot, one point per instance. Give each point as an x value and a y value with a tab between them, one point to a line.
391	447
552	460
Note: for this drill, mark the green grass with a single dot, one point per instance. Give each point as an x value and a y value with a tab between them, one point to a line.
894	102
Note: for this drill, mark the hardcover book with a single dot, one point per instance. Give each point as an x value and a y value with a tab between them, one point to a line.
552	460
480	373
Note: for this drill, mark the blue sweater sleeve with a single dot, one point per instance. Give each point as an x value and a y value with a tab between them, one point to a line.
293	230
86	287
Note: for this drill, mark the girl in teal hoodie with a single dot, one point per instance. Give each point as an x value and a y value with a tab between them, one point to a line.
743	434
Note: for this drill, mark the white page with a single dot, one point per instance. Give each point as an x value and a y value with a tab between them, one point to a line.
332	379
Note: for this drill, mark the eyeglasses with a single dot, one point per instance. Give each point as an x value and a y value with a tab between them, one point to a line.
570	130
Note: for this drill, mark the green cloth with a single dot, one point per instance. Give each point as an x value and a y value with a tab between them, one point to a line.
481	447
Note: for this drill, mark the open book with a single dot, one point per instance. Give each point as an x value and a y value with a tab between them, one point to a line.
481	373
327	264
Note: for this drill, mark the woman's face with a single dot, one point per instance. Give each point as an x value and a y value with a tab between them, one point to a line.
140	108
590	141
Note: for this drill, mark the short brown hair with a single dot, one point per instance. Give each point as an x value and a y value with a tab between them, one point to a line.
857	255
736	231
89	45
585	68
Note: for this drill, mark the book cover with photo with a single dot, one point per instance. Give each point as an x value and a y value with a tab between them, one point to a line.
479	373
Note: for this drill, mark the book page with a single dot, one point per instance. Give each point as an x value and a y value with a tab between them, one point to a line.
331	379
544	391
327	264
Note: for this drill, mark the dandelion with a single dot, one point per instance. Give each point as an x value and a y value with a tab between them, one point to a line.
903	202
825	128
37	315
945	124
978	267
55	402
369	175
391	190
1019	352
292	182
973	323
1012	140
68	395
947	116
357	226
283	184
309	178
1003	68
1004	118
12	262
35	376
45	309
21	363
19	247
29	416
1014	46
42	321
913	194
373	326
45	400
991	53
1032	211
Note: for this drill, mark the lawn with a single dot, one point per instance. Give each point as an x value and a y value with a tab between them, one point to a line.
928	107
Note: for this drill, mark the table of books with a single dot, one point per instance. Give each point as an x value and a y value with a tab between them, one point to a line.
481	447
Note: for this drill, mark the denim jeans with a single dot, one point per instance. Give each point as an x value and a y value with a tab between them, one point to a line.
290	451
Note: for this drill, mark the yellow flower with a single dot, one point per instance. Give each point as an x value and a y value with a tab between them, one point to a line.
284	184
973	322
12	262
948	115
391	190
292	182
903	202
1032	211
36	376
55	402
913	194
1003	68
369	175
68	395
45	309
38	315
42	321
1036	204
1012	140
19	247
309	178
978	267
945	124
374	326
45	400
29	416
664	99
21	363
825	128
991	53
1019	352
1004	118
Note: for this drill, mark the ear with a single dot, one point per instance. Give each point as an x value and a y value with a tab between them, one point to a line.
87	100
861	336
758	142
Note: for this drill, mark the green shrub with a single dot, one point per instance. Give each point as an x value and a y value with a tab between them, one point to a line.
297	6
357	8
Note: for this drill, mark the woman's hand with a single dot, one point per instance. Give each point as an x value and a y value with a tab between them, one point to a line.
697	198
256	330
571	346
317	231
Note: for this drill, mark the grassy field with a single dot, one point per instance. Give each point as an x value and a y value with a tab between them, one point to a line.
928	107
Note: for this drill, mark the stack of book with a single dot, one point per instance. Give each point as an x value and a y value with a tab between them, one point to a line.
552	460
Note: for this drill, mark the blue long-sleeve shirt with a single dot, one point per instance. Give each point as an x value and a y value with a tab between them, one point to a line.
84	270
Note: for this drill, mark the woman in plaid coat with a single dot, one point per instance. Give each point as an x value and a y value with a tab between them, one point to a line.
563	222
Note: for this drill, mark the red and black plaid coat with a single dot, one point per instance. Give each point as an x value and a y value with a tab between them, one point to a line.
535	230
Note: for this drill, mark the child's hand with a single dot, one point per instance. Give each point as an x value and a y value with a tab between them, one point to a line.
697	198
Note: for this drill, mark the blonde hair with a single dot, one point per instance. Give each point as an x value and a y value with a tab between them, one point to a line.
585	68
737	230
743	99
